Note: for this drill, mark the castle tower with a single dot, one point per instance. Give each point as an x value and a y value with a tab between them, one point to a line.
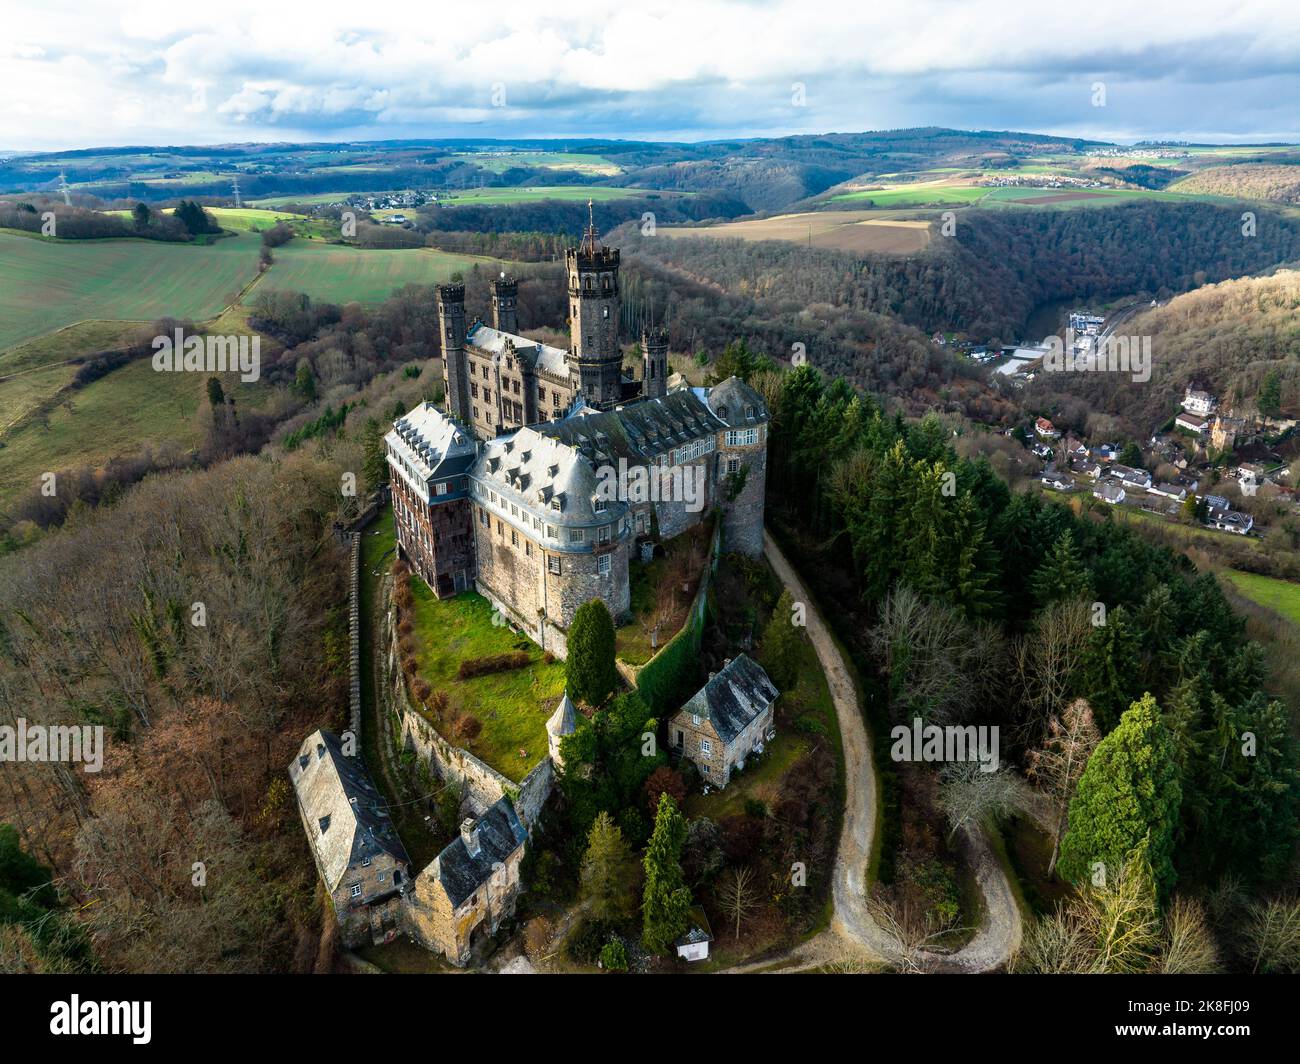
563	723
455	372
654	361
505	296
595	360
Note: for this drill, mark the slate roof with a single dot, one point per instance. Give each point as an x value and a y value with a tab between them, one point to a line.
640	431
346	817
530	468
732	399
734	697
433	443
551	360
500	833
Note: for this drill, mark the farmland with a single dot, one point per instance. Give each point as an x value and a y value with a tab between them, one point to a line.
47	284
854	231
334	273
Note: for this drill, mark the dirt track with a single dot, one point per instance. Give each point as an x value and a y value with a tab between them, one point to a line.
854	934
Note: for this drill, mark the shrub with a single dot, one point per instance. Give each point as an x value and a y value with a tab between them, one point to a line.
514	659
439	702
405	627
613	957
409	666
755	807
422	689
407	647
585	942
467	728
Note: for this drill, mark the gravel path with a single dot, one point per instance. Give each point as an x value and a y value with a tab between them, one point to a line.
853	934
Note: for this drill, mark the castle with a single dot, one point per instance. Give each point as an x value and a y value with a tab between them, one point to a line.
551	470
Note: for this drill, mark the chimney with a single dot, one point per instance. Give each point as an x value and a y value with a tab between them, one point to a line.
469	835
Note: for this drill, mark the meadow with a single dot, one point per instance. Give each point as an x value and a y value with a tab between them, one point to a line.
47	284
854	231
1280	596
334	273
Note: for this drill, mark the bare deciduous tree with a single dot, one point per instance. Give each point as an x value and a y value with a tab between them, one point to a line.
968	795
1057	765
737	896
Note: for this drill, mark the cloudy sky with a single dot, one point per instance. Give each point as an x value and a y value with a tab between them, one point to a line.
87	73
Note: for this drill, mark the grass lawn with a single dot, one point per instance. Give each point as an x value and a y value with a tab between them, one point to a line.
333	273
512	706
1280	596
1028	849
47	284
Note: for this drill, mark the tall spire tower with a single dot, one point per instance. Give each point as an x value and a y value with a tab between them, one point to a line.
595	358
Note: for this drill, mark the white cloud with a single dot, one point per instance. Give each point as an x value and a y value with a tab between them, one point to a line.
85	73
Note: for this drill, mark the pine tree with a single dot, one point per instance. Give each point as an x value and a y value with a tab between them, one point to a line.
1128	799
608	872
666	900
781	647
590	669
1062	574
374	463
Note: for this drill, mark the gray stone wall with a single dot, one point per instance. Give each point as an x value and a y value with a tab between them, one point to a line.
742	517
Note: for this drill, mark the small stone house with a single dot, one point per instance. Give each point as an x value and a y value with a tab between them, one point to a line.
358	854
460	899
729	718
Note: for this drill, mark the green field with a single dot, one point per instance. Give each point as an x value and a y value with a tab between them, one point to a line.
500	161
333	273
1280	596
118	415
47	284
533	194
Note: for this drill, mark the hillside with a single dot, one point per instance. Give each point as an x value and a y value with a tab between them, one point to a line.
1279	184
1223	336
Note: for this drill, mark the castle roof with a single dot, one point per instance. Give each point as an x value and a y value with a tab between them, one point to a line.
346	817
432	443
639	431
550	360
734	697
532	469
461	872
736	403
564	721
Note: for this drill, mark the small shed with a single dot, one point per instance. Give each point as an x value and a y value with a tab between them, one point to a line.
693	945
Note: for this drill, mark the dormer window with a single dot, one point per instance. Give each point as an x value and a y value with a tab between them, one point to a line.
303	761
598	505
324	824
722	412
320	751
749	413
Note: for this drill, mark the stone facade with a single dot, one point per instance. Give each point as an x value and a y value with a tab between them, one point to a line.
460	899
357	851
728	719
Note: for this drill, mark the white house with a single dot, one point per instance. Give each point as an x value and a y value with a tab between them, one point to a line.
694	942
1199	402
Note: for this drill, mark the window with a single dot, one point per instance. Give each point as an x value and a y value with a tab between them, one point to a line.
483	518
553	564
441	488
722	412
733	465
550	531
604	534
501	529
355	890
365	863
749	413
742	437
706	748
514	538
528	549
695	719
603	564
473	390
577	535
598	506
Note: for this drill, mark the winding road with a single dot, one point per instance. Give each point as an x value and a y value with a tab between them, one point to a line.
854	933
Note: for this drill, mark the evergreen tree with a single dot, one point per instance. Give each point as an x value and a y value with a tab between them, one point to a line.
590	666
216	394
1128	800
666	900
1110	666
305	381
781	647
1269	399
374	461
141	215
1062	574
608	872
